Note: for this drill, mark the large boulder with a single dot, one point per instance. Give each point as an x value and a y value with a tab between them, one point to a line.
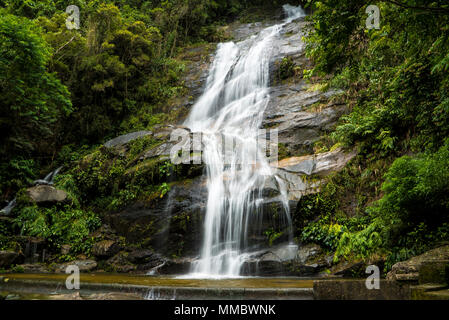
175	266
293	170
170	225
148	258
307	252
421	266
46	193
83	265
287	260
119	263
8	258
105	249
34	268
321	164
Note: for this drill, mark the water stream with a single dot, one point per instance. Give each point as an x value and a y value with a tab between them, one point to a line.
230	114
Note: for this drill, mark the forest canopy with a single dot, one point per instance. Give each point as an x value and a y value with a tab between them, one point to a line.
64	89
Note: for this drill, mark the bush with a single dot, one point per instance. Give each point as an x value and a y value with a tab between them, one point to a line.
416	189
286	68
63	225
326	235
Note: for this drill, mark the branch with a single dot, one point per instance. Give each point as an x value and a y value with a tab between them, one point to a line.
64	45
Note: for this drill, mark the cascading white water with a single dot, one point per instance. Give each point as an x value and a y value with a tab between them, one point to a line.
231	109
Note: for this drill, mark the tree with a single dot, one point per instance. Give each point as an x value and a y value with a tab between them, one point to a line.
33	100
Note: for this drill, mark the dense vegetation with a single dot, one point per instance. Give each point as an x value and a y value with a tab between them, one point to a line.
66	91
62	89
395	79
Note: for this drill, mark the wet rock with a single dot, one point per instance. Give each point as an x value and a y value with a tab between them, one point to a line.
65	249
162	150
175	266
285	260
105	232
291	170
35	249
409	271
46	193
298	130
269	266
169	225
307	252
34	268
105	249
8	258
119	263
282	252
145	257
349	269
434	271
288	109
127	138
198	60
83	265
321	164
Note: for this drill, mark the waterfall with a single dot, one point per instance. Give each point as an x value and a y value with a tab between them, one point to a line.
230	114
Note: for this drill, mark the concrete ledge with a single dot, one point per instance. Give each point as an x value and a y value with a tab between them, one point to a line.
434	271
357	290
159	292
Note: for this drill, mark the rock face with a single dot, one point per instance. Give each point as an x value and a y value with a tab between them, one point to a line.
293	170
34	268
288	260
83	265
8	258
357	290
127	138
119	263
289	110
46	193
169	225
105	248
411	269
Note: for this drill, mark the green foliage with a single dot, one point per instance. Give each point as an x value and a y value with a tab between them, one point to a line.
15	174
59	225
286	68
326	235
395	75
415	189
415	192
272	235
396	83
33	100
361	244
411	217
64	89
